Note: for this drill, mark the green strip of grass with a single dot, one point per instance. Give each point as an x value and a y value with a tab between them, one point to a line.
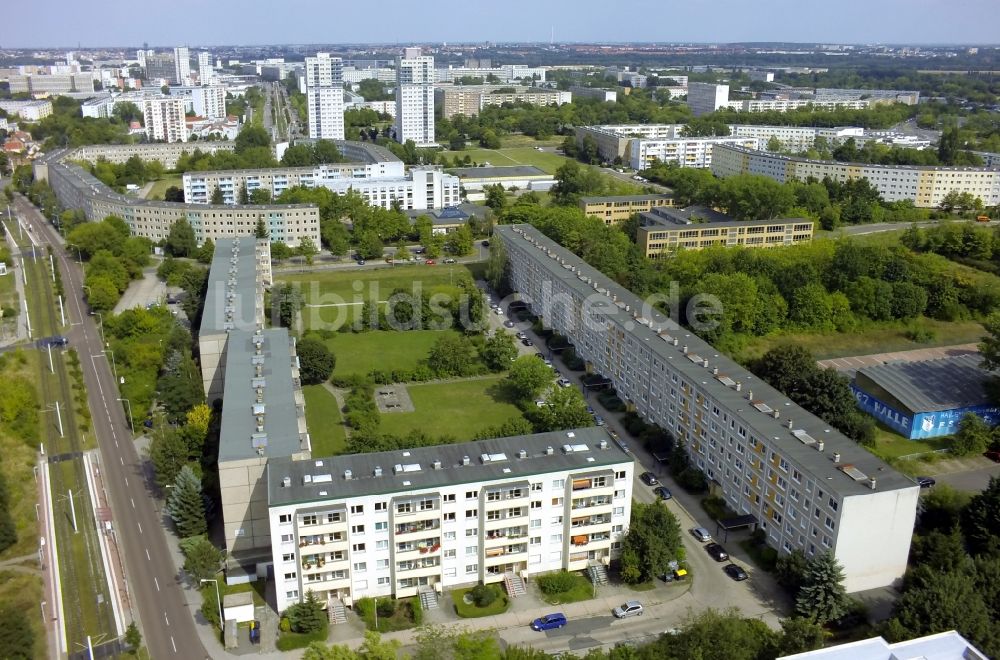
472	611
324	421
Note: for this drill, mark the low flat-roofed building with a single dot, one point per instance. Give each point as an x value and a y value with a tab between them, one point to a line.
525	177
664	230
928	398
619	208
942	646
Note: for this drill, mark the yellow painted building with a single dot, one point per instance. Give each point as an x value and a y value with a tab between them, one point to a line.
664	231
619	208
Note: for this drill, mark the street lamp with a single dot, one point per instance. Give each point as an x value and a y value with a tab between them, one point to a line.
79	257
221	623
131	419
107	348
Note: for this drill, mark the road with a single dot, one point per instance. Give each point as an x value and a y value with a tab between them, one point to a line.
154	586
972	481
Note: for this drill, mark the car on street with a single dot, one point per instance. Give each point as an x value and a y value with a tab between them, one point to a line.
563	382
545	360
549	621
717	552
508	324
430	262
628	608
735	572
925	482
701	534
993	455
521	335
361	262
486	243
451	260
527	342
498	311
494	305
649	479
662	492
598	420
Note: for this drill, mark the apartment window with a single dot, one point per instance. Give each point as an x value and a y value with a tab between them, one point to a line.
558	520
450	497
449	517
285	518
360	567
833	504
619	494
617	528
382	563
449	554
405	507
449	536
426	505
292	594
471	494
357	509
471	568
556	501
287	538
471	532
620	474
536	540
559	483
471	514
381	526
829	522
358	547
381	506
309	519
471	549
291	576
536	523
555	538
357	529
538	505
536	486
382	545
618	511
383	581
290	556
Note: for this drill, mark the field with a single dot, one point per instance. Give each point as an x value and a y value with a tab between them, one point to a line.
457	409
324	421
360	353
160	187
546	161
890	445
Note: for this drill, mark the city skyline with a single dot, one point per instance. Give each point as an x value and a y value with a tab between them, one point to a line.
71	24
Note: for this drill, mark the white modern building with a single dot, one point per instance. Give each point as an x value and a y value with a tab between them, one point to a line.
325	96
209	101
684	152
804	484
797	138
206	72
704	98
182	65
27	110
164	119
415	98
424	520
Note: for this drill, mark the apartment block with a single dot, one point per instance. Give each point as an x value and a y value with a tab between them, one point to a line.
665	230
925	186
704	98
619	208
683	152
415	98
606	95
27	110
209	101
206	72
806	485
54	83
182	65
434	518
164	119
325	96
162	67
469	100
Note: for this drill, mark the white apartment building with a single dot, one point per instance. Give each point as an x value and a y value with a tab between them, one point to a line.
164	119
806	485
605	95
382	74
925	186
209	101
796	138
422	188
206	72
415	98
182	65
704	98
27	110
685	152
325	96
404	522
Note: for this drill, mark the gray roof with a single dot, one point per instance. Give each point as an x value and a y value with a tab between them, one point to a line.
244	305
627	198
367	152
799	444
413	469
239	433
664	216
496	172
930	385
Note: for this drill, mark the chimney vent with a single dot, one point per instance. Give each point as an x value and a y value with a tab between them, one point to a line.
836	457
377	471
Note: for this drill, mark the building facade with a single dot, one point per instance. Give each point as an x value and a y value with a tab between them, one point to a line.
469	100
206	72
704	98
619	208
164	119
925	186
182	65
434	518
54	83
415	98
161	67
807	486
27	110
663	231
683	152
209	101
325	96
606	95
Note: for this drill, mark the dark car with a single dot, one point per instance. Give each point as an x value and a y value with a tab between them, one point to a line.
527	342
662	492
925	482
56	340
993	455
735	572
549	621
649	479
716	552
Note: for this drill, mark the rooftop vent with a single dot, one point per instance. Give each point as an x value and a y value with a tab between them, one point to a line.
466	460
436	464
348	474
836	457
522	453
286	482
819	445
603	444
549	450
399	468
377	472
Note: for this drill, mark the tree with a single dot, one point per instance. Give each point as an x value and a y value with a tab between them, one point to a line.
316	362
941	508
244	197
286	301
8	529
497	268
206	252
564	409
217	197
822	597
499	351
168	452
17	637
307	249
981	520
102	294
261	231
716	635
280	251
307	616
180	240
496	197
202	560
369	245
773	144
173	194
185	504
973	436
260	196
790	570
133	637
989	348
451	355
653	540
459	242
528	377
799	635
251	136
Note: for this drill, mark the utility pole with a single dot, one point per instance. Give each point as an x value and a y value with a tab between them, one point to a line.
52	369
62	311
27	316
72	510
52	266
59	417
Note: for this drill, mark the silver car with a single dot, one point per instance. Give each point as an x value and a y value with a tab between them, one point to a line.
701	534
629	608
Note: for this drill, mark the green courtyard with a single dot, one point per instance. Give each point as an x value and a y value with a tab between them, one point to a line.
546	161
324	421
381	350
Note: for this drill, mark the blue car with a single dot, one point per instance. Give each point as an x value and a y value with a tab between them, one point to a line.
549	622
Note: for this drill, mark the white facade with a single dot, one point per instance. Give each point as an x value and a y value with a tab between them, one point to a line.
325	96
685	152
420	189
182	65
942	646
382	74
415	98
395	523
796	138
27	110
164	119
704	98
206	72
209	102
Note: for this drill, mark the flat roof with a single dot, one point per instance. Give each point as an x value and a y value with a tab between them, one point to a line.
626	198
414	469
799	443
914	168
241	435
244	279
498	172
930	385
701	216
942	646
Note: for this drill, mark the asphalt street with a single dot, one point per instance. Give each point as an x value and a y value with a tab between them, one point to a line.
153	585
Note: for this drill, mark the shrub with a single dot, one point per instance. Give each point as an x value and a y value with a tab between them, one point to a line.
285	625
692	480
556	583
365	607
920	335
416	612
385	607
715	507
483	595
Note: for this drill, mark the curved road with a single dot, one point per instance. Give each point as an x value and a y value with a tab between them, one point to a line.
154	586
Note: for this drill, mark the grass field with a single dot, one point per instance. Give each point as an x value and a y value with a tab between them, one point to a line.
23	592
473	611
582	589
458	409
160	187
507	156
518	140
360	353
871	340
890	445
324	421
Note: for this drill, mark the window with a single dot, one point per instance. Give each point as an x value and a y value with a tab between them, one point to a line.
555	538
559	483
536	523
556	501
285	518
471	494
619	494
471	568
536	486
310	519
449	517
471	549
618	511
291	576
404	507
383	581
558	520
471	532
449	536
357	509
537	504
382	563
357	529
290	556
292	594
829	522
287	538
556	556
471	514
618	528
450	497
381	526
620	474
426	505
536	540
381	506
360	567
382	545
833	504
358	547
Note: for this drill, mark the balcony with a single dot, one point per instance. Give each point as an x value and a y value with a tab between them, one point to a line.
424	546
499	536
587	539
590	521
591	502
421	526
506	551
418	564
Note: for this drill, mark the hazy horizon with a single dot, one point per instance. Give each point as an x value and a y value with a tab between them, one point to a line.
72	24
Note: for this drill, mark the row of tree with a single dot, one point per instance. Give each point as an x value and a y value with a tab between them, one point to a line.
113	259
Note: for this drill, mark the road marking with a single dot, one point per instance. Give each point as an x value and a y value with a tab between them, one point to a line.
166	619
157	583
147	557
132	501
140	527
172	644
126	481
116	443
122	460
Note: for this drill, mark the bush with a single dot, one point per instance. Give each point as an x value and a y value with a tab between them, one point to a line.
365	607
715	507
920	335
285	625
556	583
385	606
692	480
483	595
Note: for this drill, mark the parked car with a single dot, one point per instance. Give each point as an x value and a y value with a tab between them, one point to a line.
430	262
993	455
498	311
494	305
527	342
451	260
521	335
562	382
662	492
508	324
649	479
701	534
361	262
598	420
549	621
717	552
628	608
925	482
735	572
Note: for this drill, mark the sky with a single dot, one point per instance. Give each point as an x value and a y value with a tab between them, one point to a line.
89	23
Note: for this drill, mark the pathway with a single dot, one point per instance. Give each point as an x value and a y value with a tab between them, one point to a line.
338	394
14	564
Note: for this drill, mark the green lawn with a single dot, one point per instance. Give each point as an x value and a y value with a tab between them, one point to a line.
546	161
458	409
583	589
160	187
472	611
890	445
324	421
258	589
360	353
519	140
